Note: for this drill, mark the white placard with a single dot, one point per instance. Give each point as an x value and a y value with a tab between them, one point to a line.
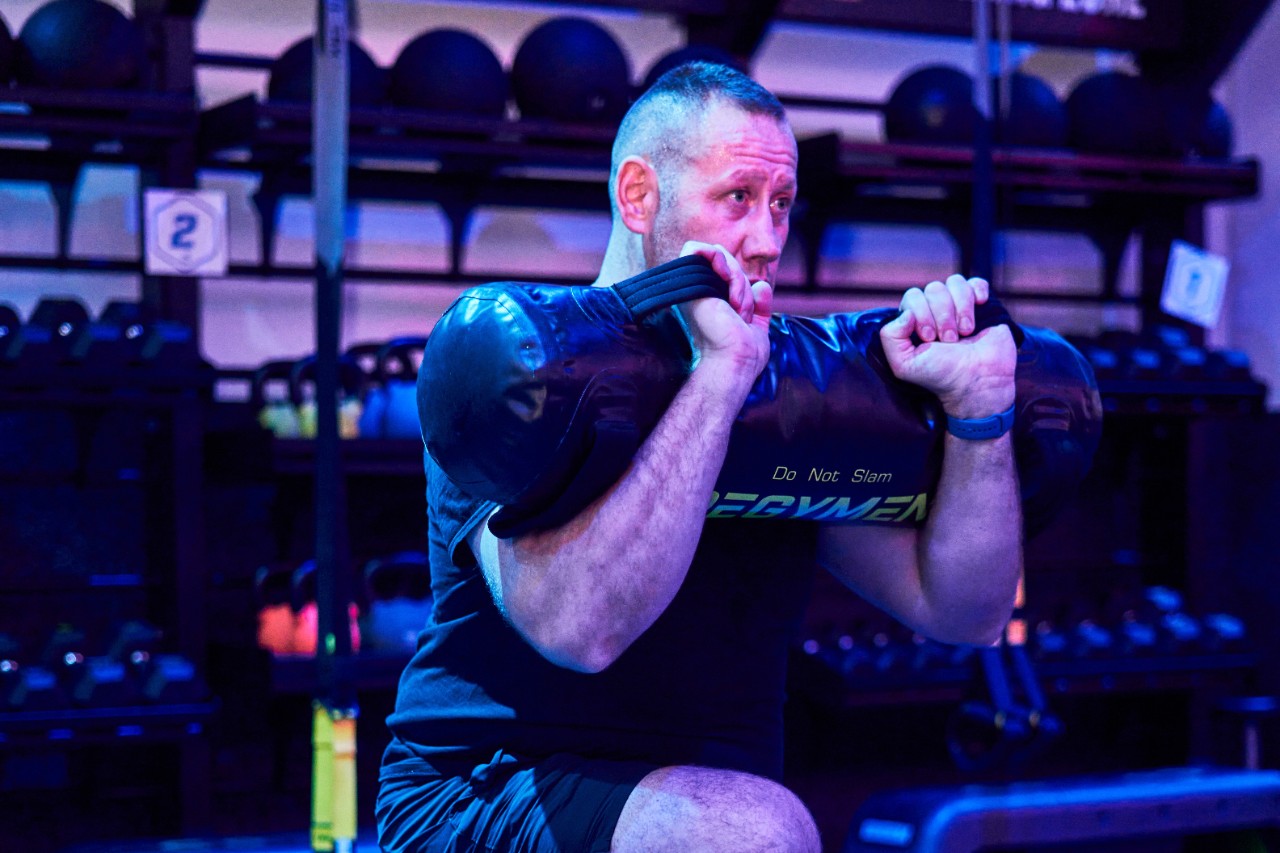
1194	284
186	232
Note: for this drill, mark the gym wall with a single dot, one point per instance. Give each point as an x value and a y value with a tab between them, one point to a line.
248	321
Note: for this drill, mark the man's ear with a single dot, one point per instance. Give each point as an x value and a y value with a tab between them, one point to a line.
636	192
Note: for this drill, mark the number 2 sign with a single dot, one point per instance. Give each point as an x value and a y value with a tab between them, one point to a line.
186	232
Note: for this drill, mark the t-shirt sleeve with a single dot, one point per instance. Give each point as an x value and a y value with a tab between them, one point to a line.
454	513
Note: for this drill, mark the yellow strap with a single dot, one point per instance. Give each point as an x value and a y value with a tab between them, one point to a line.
322	779
344	779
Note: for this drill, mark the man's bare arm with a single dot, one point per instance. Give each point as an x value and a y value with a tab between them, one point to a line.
583	592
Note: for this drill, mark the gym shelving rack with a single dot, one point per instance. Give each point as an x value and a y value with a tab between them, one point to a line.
536	164
152	127
273	141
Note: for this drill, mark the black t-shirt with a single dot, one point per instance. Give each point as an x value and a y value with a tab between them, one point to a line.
703	685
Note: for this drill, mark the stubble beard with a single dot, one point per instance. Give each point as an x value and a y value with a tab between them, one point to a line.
665	241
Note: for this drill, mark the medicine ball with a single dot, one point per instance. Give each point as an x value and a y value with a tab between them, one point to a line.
1036	116
932	104
690	53
80	44
570	69
449	71
1199	126
1116	113
291	76
6	54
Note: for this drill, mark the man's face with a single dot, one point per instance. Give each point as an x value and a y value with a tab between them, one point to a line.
735	190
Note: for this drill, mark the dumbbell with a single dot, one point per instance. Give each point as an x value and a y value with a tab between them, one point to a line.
1136	637
1104	360
89	680
1048	642
103	682
1223	632
1227	365
1180	359
36	689
842	654
135	643
157	677
130	334
398	589
1009	722
172	679
24	686
10	652
1179	632
302	395
49	335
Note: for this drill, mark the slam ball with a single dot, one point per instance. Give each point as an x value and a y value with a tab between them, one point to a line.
1116	113
291	75
80	44
690	53
1199	126
932	104
570	69
6	54
449	71
1036	116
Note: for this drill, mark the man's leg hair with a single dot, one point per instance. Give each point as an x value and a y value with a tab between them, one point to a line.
713	811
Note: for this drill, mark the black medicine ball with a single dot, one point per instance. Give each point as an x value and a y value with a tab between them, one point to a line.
6	54
291	76
1199	126
932	104
80	44
690	53
570	69
1036	116
449	71
1116	113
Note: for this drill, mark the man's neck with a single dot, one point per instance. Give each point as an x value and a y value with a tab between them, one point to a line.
623	258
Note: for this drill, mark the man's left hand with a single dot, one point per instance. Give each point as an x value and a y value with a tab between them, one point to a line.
971	374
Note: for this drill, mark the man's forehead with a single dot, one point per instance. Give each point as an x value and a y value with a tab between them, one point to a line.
726	134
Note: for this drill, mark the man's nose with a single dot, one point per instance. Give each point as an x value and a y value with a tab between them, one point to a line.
763	242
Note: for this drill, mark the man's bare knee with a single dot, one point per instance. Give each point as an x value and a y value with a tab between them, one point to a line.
698	808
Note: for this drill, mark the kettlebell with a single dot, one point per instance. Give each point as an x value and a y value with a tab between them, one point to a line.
270	397
302	392
307	621
372	403
398	589
398	362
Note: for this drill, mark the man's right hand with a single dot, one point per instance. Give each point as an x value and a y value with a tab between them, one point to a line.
733	334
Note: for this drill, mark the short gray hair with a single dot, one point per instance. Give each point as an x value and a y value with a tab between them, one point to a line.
658	124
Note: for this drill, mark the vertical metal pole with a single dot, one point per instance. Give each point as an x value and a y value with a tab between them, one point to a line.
329	158
333	808
983	171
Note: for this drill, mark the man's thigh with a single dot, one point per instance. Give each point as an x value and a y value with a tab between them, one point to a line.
564	804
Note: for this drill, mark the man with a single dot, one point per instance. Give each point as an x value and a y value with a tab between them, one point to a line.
617	683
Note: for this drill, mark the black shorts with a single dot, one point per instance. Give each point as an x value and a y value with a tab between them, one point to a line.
562	804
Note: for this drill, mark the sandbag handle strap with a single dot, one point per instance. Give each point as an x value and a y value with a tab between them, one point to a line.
689	277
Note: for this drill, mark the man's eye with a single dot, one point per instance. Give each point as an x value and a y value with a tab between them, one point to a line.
782	203
738	196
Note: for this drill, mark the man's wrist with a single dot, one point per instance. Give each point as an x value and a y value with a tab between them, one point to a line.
981	429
